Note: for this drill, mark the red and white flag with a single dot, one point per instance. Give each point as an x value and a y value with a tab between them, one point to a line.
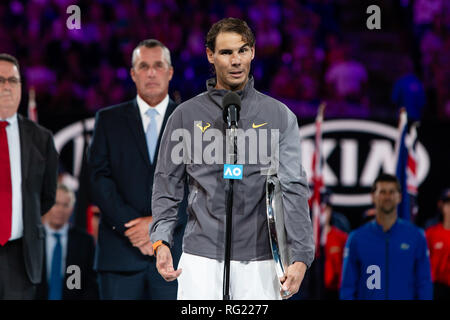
412	182
317	180
32	109
411	170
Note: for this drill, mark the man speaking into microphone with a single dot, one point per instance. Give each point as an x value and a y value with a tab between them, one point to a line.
195	150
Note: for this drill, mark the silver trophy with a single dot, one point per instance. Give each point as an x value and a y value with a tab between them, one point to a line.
275	220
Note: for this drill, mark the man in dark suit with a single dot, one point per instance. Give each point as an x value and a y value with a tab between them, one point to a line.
28	171
68	272
122	159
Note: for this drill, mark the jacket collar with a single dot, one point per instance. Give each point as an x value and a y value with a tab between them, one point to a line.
133	115
378	228
217	95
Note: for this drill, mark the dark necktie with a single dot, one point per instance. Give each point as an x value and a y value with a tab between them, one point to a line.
5	186
55	287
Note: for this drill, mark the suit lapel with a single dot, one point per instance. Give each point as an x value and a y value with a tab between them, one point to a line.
135	123
170	108
25	145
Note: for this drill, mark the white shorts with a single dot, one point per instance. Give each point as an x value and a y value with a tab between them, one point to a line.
202	279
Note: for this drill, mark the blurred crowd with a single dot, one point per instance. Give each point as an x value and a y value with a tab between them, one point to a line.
302	58
432	35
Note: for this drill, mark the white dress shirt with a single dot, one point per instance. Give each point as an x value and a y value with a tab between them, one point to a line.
161	108
50	242
12	132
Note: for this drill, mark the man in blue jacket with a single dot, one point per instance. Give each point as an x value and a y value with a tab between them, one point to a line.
386	259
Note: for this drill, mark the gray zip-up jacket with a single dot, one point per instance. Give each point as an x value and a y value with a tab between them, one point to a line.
193	150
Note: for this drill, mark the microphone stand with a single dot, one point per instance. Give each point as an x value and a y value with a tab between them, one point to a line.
229	208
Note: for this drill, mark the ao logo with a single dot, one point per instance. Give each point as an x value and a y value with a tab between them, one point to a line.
355	152
231	171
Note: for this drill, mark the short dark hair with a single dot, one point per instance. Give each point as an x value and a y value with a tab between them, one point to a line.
445	195
152	43
385	177
229	25
10	58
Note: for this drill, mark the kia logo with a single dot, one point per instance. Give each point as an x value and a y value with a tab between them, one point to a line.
354	153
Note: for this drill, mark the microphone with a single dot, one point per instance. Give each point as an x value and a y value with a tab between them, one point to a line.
231	105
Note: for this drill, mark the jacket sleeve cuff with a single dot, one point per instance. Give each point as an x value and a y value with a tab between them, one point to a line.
303	258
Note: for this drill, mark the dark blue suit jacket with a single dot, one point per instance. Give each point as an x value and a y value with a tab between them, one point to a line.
122	181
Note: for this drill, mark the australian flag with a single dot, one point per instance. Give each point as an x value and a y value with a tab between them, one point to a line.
406	167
